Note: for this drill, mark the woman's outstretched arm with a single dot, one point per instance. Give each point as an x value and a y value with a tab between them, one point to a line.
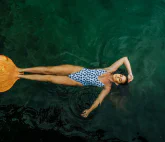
98	101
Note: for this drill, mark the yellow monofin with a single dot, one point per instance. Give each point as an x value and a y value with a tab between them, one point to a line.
8	73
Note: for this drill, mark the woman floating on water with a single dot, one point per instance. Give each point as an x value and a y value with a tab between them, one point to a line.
79	76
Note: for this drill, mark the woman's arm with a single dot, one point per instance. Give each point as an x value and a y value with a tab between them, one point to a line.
98	101
127	65
118	63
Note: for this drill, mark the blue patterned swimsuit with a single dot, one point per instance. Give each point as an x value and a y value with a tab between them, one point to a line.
88	77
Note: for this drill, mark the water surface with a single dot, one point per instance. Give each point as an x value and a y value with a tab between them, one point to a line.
93	34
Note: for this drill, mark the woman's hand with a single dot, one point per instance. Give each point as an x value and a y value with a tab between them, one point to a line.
85	113
130	77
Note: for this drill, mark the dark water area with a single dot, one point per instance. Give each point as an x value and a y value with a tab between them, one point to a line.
93	34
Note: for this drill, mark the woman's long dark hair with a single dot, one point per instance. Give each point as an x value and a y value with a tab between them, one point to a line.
119	93
123	88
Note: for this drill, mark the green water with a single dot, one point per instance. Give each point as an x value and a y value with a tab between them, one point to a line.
93	34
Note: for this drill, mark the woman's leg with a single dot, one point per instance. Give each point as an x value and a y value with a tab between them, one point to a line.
57	70
63	80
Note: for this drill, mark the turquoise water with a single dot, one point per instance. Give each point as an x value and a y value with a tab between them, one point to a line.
93	34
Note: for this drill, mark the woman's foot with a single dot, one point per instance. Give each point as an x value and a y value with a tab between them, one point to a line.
20	70
20	74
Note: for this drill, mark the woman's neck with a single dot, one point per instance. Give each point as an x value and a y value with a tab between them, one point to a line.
110	77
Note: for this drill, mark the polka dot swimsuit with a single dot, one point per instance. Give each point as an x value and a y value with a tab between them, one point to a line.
88	77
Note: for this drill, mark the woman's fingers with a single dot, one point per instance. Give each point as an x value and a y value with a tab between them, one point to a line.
130	78
84	113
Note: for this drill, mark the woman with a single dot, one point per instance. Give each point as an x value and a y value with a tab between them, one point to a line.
79	76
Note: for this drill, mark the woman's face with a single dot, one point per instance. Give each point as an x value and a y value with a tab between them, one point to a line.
119	78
